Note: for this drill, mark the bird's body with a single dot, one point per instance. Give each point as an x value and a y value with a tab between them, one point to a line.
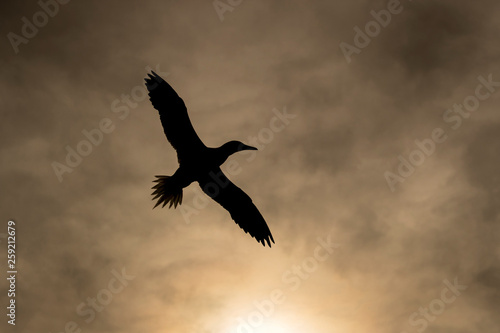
195	167
199	163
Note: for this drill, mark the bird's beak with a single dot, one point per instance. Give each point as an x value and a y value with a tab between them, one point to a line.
245	147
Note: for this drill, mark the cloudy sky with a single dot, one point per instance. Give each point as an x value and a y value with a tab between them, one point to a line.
379	179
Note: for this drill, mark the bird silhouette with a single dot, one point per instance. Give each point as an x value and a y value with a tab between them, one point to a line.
200	163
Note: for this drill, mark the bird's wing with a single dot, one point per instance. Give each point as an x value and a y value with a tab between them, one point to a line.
173	115
238	204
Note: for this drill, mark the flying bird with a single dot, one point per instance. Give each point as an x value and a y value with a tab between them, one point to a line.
199	163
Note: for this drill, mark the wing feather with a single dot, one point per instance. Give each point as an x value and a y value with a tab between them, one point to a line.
238	204
173	115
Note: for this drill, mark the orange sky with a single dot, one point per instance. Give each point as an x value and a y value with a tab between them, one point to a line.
380	225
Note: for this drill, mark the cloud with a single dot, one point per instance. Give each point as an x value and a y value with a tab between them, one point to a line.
322	174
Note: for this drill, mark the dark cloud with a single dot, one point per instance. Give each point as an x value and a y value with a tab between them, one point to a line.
484	146
320	178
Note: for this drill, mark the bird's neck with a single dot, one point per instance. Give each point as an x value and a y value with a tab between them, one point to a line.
222	153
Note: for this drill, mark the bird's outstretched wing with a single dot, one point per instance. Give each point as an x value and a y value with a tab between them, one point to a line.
217	186
173	115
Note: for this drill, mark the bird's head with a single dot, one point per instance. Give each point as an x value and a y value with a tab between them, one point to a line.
232	147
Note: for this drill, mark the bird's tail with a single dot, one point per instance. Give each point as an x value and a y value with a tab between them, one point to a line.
166	193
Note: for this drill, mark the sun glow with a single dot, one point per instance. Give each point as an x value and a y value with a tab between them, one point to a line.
272	327
266	327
